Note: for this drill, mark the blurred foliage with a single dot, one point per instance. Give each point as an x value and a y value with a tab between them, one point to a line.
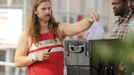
117	50
109	49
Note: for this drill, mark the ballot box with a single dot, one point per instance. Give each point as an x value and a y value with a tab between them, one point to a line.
92	57
77	57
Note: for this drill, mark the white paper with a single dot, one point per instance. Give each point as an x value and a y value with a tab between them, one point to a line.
94	32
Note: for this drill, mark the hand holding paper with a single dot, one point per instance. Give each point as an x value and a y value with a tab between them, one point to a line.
94	32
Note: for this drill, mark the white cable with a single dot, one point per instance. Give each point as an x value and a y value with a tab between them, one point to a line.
7	64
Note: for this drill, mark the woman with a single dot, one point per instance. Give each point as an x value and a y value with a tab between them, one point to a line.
42	34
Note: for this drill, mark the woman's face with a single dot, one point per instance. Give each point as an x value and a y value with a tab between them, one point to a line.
44	11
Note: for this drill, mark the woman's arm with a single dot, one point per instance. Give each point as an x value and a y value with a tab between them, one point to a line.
72	29
21	58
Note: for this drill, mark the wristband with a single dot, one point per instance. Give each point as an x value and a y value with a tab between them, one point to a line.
34	57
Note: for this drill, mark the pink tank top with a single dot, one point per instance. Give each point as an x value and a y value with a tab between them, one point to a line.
55	63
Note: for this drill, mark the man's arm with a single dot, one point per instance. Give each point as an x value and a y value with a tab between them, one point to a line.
72	29
21	58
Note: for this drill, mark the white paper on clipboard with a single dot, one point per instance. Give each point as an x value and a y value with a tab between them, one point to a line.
94	32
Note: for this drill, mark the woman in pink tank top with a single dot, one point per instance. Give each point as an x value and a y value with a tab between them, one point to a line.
40	47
